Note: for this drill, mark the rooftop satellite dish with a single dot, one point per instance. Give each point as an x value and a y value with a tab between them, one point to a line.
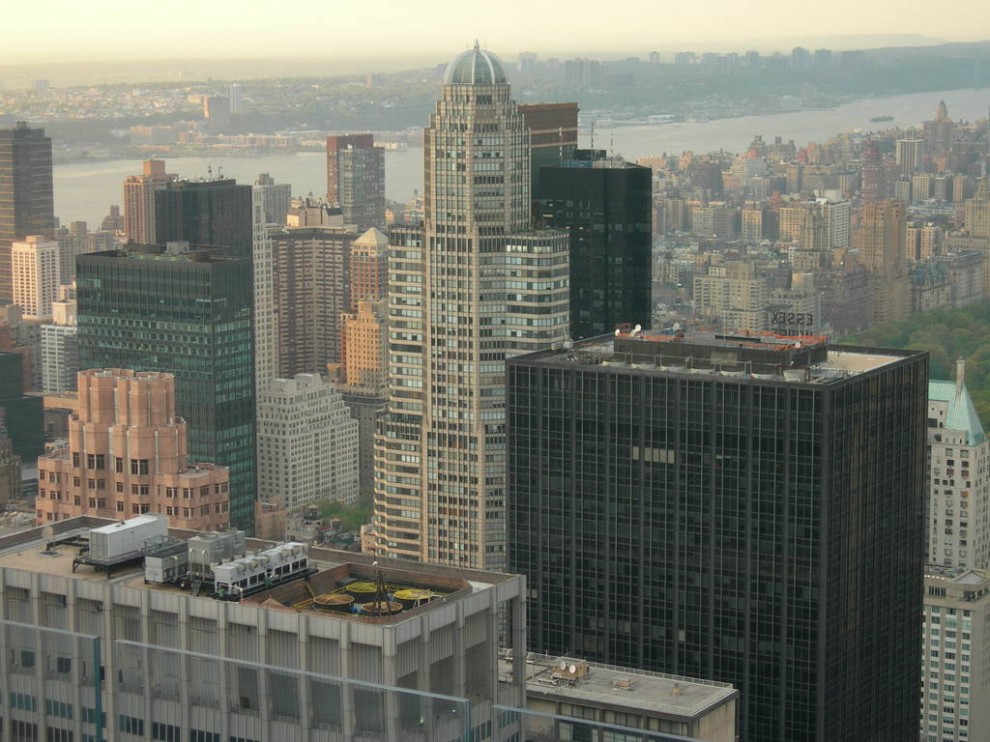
617	332
572	669
563	665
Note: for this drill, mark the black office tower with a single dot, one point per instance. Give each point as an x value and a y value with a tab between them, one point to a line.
205	212
189	314
606	204
26	201
749	510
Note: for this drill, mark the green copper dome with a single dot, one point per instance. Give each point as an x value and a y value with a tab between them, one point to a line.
475	67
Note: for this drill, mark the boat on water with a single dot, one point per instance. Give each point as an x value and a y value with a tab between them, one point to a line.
881	119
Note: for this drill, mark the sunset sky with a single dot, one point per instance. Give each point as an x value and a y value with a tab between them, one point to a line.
49	30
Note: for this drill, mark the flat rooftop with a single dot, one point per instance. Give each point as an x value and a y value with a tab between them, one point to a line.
767	356
652	693
31	550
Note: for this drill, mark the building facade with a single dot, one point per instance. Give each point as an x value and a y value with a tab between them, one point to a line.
215	212
188	314
35	267
310	278
356	179
958	477
191	667
128	455
474	285
26	194
307	443
702	505
139	201
606	206
955	702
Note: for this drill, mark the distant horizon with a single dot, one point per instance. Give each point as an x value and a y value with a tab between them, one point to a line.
86	69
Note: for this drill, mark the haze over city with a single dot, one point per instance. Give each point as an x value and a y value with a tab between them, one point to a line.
103	29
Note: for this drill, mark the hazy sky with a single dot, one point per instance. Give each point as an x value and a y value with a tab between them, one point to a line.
40	30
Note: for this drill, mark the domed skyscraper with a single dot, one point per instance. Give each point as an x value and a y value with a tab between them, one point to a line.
471	286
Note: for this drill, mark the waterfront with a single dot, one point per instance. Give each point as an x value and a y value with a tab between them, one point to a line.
85	190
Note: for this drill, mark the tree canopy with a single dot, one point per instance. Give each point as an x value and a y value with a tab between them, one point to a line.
947	335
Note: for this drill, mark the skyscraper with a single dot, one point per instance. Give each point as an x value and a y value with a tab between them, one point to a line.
188	314
553	136
748	509
607	206
471	287
35	268
356	178
139	201
205	212
880	238
26	201
310	277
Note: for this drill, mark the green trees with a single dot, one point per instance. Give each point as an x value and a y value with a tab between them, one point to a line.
946	335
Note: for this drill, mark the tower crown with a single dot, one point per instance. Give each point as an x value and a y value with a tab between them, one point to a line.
476	66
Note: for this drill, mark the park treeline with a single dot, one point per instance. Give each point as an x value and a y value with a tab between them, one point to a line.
947	335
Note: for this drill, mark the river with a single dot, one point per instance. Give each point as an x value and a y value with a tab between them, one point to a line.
84	190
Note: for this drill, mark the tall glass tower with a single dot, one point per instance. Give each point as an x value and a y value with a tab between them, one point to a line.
26	201
189	314
469	288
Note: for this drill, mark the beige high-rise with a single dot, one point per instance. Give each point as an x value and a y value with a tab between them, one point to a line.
35	268
470	288
127	456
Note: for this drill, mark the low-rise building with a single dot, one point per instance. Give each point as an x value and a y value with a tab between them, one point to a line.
598	697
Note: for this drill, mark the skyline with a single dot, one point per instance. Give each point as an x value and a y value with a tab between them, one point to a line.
99	31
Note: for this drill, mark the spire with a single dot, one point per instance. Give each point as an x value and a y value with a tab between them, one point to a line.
960	375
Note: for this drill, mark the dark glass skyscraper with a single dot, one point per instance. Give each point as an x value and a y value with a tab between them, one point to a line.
188	314
356	179
749	510
606	206
26	202
205	212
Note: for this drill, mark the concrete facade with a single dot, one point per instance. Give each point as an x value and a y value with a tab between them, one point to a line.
307	443
268	668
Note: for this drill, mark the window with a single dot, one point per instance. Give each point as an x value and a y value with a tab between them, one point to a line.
164	732
63	664
23	701
130	725
139	466
195	735
58	708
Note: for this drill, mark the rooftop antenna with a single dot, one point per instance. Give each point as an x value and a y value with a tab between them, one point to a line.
592	135
611	146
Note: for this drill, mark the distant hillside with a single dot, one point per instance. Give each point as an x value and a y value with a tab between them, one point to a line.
946	335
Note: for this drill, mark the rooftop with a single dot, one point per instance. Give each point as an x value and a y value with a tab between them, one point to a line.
766	356
426	588
961	414
476	66
655	693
